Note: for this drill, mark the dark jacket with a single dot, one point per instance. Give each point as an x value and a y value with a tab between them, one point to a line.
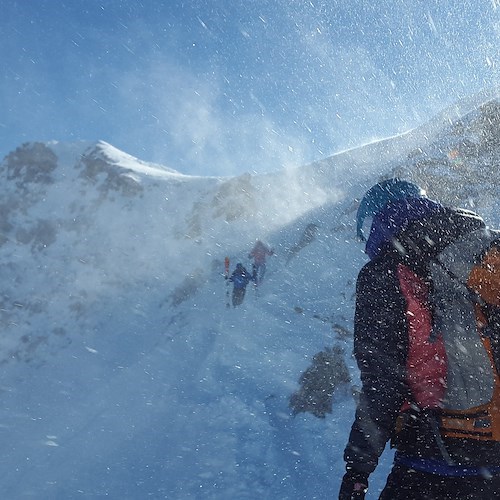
381	349
240	277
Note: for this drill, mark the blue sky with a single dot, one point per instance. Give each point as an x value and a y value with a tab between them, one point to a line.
225	86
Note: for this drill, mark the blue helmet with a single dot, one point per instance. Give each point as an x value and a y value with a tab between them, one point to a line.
377	197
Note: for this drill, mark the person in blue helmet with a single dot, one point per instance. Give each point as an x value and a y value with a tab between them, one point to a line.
403	351
380	194
240	279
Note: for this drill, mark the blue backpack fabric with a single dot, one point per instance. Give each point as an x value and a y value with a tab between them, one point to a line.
240	277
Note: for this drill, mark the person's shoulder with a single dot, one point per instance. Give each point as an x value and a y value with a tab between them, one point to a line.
378	286
425	238
380	269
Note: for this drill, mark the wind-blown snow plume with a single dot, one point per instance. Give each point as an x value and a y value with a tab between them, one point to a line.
123	372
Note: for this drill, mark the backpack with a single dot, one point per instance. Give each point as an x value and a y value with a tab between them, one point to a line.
240	278
454	323
466	301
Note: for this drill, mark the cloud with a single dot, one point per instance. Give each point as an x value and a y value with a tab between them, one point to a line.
180	114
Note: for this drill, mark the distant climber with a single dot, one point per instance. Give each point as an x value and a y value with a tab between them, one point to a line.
240	279
259	253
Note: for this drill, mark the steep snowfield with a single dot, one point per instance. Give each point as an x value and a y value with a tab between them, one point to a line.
125	376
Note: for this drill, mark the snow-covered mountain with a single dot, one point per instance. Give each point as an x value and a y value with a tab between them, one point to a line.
124	375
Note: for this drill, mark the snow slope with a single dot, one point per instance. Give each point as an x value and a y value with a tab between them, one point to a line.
124	375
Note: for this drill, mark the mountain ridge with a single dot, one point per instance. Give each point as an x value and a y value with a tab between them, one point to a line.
123	372
46	195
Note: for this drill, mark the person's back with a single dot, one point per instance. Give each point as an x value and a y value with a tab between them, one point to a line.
240	276
259	253
240	279
403	358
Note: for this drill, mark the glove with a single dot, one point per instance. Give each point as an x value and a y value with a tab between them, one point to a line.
354	485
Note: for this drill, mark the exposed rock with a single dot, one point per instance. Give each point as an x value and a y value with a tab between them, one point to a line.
31	162
327	373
